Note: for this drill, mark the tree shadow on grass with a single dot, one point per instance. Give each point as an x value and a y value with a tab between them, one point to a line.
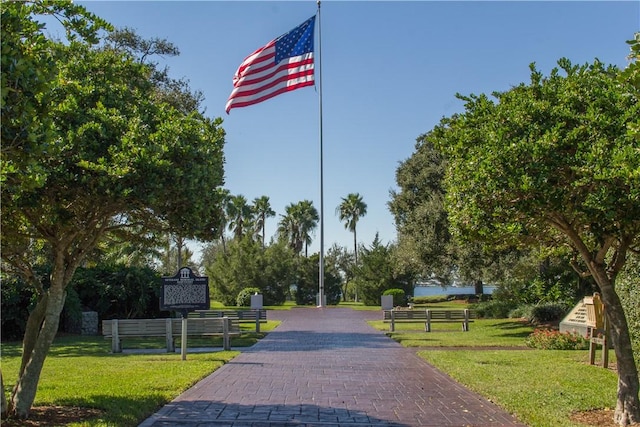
520	329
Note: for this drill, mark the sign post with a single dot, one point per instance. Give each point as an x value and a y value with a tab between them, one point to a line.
184	292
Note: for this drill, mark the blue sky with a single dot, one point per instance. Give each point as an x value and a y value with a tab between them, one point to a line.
390	71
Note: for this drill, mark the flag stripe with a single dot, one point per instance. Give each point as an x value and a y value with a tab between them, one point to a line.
255	61
254	82
239	102
259	77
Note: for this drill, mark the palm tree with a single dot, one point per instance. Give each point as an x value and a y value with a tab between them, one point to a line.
309	222
350	211
262	210
223	216
289	227
298	223
239	215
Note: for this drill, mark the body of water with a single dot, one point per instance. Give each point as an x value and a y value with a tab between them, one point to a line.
428	291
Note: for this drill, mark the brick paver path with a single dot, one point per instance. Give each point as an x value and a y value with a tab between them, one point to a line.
328	367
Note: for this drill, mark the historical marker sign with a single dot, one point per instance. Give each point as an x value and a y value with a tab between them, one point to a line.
185	292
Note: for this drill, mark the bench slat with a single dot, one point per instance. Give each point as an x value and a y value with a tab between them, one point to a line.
117	329
428	316
244	316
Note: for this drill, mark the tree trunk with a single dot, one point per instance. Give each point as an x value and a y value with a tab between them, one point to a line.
3	406
628	405
38	339
179	246
478	287
355	246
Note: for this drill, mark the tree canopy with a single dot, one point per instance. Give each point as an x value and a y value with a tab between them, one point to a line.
93	150
553	162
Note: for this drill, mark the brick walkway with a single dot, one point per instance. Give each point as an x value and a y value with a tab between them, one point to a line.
328	367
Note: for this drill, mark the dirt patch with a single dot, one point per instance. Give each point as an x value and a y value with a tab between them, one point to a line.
54	416
595	417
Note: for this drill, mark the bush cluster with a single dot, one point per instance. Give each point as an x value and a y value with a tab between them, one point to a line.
244	297
547	339
550	312
429	299
114	291
494	309
399	297
540	313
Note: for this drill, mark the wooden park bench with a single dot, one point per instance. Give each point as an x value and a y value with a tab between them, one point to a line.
170	329
244	316
428	317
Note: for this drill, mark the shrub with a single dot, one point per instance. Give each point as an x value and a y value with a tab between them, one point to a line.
17	298
550	312
547	339
494	309
119	291
399	297
244	297
522	312
429	299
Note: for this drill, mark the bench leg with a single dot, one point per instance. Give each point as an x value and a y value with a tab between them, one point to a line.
465	323
226	342
392	325
116	345
170	341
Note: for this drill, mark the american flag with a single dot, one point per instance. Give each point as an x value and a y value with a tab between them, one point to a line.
283	65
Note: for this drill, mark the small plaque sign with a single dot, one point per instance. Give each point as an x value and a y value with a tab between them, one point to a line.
185	292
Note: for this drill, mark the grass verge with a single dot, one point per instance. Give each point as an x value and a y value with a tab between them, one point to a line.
482	332
81	372
541	387
126	388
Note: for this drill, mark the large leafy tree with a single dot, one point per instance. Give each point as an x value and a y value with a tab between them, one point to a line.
426	246
552	161
350	210
106	155
424	239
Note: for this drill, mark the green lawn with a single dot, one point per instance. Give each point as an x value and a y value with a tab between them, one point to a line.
542	387
81	371
482	332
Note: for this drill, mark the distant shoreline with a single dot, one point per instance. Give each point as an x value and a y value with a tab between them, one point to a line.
430	290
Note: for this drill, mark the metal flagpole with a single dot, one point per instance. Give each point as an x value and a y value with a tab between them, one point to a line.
321	297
